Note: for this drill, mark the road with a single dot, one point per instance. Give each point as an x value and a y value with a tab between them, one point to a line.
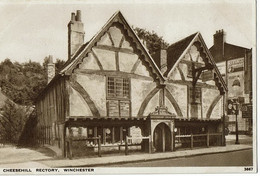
237	158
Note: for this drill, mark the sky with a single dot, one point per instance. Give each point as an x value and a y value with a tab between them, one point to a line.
31	30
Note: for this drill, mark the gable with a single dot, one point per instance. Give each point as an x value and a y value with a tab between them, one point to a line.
115	48
196	53
175	51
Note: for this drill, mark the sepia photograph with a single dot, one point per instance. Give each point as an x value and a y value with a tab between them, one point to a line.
128	87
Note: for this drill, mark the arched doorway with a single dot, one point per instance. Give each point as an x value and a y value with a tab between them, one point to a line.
162	138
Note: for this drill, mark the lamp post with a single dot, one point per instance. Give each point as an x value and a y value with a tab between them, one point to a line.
236	111
236	88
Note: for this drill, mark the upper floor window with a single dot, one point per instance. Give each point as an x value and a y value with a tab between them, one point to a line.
118	97
118	87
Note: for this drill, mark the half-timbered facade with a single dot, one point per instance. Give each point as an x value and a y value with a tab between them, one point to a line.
113	88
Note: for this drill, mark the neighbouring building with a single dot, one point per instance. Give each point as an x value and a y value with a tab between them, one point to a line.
235	65
112	87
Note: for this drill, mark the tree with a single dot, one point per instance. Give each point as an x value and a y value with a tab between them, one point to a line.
153	41
22	82
12	120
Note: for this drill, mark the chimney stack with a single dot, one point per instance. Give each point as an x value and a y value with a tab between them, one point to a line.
50	69
75	33
219	40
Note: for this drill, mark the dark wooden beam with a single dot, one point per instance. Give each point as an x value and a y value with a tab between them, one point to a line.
113	135
212	106
121	41
173	102
196	72
95	134
117	61
97	60
121	134
135	65
110	37
181	73
189	83
104	135
147	100
75	85
115	49
113	73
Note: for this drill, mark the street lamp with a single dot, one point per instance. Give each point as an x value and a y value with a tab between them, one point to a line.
236	88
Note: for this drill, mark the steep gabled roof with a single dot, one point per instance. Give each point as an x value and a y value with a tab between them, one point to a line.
82	51
230	52
178	50
175	50
234	51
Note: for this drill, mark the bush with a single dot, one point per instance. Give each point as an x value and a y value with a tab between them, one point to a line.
12	120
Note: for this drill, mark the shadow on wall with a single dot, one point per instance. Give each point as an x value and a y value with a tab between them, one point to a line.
28	136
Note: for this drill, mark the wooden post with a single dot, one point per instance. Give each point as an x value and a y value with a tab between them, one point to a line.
126	145
121	134
70	149
104	135
191	141
208	139
86	132
44	131
99	145
113	135
49	134
173	141
150	144
128	131
95	135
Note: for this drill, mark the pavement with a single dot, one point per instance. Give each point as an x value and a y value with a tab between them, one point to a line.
36	159
106	160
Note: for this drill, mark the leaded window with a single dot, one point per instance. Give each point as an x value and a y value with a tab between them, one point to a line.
118	97
118	87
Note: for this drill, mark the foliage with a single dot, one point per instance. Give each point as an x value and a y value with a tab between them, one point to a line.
12	120
153	41
28	137
22	82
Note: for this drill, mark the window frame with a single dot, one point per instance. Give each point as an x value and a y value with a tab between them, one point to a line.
119	99
116	97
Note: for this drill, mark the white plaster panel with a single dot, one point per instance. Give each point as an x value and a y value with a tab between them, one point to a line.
153	103
139	90
127	61
211	82
175	74
217	111
116	35
106	58
142	70
78	106
105	40
126	45
208	96
184	68
95	87
170	107
89	63
179	92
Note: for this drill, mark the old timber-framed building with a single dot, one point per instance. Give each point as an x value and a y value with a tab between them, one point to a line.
111	86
